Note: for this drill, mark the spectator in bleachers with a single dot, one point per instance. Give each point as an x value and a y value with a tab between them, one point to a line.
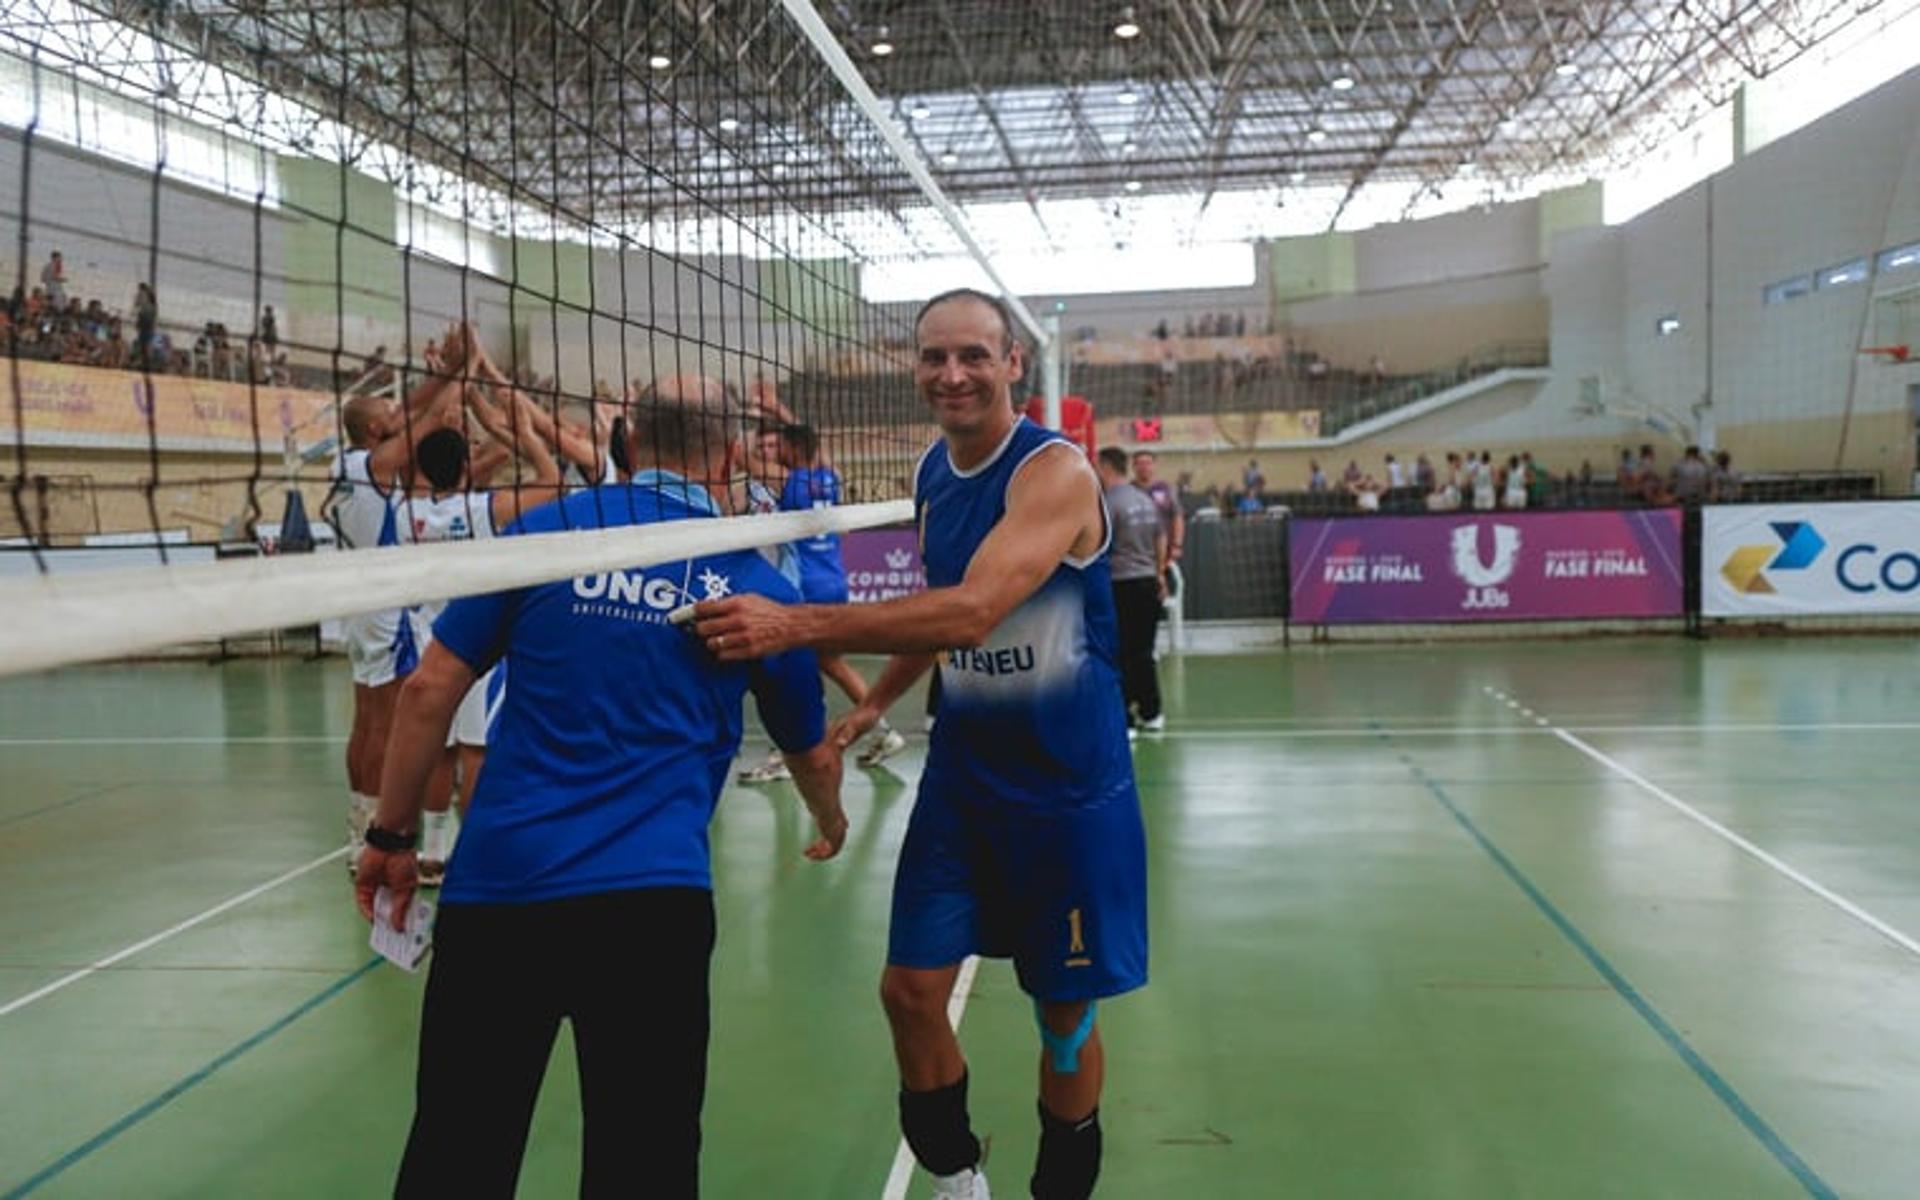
1484	488
53	278
1316	478
1253	479
270	332
146	317
1423	474
1724	483
1514	491
1691	477
1648	484
1351	475
1627	474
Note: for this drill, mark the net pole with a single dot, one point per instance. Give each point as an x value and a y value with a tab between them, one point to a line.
808	18
1052	373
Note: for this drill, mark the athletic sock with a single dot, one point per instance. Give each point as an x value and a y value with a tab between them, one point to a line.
938	1130
1069	1158
436	835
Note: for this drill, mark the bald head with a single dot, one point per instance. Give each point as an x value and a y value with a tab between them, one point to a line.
684	421
365	419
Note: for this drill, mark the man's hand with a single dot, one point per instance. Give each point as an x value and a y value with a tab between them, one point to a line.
745	627
852	726
400	873
833	835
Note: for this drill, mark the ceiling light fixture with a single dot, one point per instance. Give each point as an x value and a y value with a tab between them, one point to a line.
779	168
919	112
1133	185
1316	136
1128	148
1129	96
659	62
728	124
1126	28
882	45
1567	70
1342	83
1298	177
949	158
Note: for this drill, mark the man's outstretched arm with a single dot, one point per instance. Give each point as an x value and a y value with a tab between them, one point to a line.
1051	505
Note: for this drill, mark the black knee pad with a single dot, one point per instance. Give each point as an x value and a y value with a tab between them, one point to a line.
1069	1159
937	1128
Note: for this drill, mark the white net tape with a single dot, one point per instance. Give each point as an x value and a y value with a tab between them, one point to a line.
59	620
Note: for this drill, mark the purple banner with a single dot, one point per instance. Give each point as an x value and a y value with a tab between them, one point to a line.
1505	566
881	564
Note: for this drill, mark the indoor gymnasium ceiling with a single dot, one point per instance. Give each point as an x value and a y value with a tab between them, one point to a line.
605	106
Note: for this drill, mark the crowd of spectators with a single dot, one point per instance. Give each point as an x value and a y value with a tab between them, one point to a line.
51	325
1480	482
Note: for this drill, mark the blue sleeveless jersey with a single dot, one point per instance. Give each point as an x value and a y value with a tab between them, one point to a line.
821	572
1034	717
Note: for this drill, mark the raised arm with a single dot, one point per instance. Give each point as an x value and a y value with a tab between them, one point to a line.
509	502
392	456
1053	510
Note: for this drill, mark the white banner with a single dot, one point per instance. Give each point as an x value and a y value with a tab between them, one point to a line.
1802	559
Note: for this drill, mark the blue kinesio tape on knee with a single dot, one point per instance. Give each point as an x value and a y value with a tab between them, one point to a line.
1064	1047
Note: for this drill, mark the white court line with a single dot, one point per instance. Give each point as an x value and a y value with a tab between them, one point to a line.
902	1173
1693	814
1243	732
171	741
163	935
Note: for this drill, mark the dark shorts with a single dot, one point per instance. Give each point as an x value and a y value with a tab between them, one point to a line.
1061	892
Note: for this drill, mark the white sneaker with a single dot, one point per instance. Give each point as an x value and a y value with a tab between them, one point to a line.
883	745
1157	725
969	1184
770	771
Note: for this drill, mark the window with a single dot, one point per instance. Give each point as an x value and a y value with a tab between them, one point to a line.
1666	326
1788	289
1900	258
1843	274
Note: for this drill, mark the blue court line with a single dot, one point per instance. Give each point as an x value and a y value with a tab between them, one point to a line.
1716	1083
75	1156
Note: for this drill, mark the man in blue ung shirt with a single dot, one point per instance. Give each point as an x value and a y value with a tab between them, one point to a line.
581	887
1026	839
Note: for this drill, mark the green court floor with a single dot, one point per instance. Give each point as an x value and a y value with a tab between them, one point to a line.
1614	918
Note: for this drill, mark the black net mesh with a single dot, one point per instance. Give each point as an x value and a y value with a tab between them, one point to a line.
229	220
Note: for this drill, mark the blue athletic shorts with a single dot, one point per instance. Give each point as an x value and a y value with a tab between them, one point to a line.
1061	892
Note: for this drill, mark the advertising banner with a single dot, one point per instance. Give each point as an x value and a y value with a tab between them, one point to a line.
1497	566
881	564
65	405
1806	559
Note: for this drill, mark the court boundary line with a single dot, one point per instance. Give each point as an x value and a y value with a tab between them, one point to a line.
181	1087
147	943
1766	858
901	1173
1703	1070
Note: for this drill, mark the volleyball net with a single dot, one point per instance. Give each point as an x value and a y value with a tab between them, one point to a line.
245	240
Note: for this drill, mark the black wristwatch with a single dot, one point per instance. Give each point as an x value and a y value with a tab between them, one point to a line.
388	842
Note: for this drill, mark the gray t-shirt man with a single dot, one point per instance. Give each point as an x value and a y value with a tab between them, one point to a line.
1136	527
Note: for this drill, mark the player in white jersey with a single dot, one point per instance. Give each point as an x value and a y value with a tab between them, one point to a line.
453	504
381	647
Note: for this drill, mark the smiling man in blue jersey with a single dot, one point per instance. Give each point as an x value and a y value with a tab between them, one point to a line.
1026	838
581	888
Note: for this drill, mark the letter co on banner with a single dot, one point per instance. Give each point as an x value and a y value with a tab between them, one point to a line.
1804	559
1513	566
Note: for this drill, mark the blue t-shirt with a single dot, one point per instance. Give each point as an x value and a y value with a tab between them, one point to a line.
821	571
1034	718
613	744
